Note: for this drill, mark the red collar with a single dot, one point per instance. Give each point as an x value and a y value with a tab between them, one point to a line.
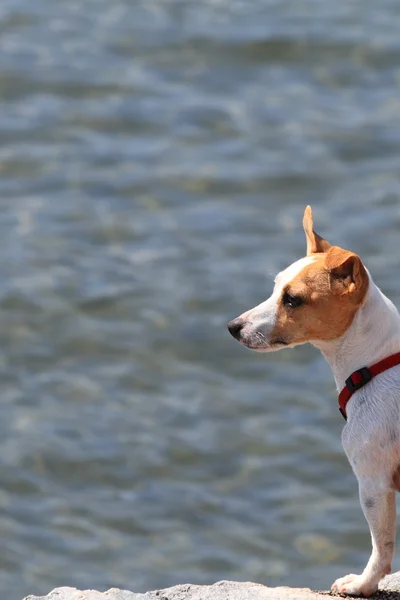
359	378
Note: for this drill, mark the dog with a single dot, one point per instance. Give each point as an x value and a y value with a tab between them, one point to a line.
329	299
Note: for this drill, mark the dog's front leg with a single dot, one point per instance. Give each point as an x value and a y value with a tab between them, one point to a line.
378	504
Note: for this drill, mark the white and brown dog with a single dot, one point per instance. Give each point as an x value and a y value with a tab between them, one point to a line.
329	299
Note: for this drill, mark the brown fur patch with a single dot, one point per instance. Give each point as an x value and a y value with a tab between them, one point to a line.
332	288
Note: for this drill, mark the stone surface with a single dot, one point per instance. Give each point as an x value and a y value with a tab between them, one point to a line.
223	590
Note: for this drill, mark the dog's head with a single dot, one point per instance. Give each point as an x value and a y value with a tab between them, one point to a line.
314	299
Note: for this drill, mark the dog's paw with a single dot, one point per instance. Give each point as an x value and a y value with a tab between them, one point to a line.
354	585
340	584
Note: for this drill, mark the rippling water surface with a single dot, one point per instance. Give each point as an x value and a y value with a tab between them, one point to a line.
155	160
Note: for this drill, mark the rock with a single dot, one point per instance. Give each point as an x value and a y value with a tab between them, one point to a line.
223	590
68	593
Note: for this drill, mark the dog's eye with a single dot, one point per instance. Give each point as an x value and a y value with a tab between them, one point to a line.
291	301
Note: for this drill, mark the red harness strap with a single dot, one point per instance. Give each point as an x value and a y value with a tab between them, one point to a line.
359	378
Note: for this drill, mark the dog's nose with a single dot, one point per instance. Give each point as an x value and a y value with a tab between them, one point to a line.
235	326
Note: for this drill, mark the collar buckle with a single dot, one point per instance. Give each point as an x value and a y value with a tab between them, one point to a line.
358	379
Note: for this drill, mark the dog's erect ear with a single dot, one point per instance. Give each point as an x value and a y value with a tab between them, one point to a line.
347	271
315	243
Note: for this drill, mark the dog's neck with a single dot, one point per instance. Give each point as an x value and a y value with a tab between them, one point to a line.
374	334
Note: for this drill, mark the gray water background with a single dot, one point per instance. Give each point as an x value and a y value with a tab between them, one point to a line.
156	157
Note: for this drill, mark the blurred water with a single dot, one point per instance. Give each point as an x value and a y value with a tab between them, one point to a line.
155	160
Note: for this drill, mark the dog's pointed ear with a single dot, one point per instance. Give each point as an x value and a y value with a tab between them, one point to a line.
347	272
315	243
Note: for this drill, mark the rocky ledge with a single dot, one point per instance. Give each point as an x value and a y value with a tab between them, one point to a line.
223	590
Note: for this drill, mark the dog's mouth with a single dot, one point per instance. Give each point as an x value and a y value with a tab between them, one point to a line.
279	342
275	344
